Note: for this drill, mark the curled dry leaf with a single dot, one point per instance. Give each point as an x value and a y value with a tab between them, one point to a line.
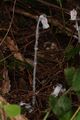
2	113
14	49
5	86
6	82
16	52
20	117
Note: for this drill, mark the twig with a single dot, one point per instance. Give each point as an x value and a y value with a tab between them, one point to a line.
74	115
10	24
46	116
5	58
62	13
27	14
53	6
56	22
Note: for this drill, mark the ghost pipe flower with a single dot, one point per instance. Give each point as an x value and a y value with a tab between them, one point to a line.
73	15
58	89
44	21
45	25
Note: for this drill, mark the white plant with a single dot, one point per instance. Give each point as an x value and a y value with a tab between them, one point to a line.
73	14
44	21
45	25
57	90
73	17
27	106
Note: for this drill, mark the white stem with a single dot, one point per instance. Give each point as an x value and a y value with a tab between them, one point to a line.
77	26
35	63
43	20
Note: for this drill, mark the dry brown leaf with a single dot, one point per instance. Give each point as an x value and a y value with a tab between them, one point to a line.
5	88
5	74
14	49
2	100
20	117
2	113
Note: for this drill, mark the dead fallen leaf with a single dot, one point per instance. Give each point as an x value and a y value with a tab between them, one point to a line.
14	49
20	117
2	113
5	88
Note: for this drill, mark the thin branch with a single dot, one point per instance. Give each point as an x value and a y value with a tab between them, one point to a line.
27	14
53	6
10	24
74	115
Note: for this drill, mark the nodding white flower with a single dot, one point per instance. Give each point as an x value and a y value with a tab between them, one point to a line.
44	21
22	103
73	14
57	90
27	106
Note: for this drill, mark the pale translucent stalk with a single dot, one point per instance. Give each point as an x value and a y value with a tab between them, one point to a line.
35	63
78	29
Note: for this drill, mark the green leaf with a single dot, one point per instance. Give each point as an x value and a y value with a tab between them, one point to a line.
66	116
73	78
54	105
12	110
70	52
76	81
69	74
52	101
77	116
60	106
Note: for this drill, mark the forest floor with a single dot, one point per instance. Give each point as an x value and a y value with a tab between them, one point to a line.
18	21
